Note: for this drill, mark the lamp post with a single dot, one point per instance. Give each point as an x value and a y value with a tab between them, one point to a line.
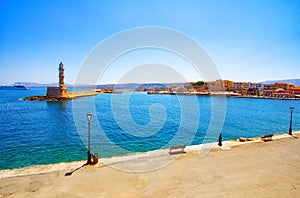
291	120
89	117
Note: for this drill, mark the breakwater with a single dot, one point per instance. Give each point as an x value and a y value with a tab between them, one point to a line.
70	96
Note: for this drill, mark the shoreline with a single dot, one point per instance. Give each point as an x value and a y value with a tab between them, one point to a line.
65	166
222	94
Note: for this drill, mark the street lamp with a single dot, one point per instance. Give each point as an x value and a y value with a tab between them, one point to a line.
291	120
89	117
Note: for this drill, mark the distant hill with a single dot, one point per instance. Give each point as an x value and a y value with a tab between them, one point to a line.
133	86
295	82
126	86
40	85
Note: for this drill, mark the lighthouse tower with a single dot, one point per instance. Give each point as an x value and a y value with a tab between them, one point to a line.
61	71
61	90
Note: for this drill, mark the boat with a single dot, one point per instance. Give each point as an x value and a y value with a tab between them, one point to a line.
13	87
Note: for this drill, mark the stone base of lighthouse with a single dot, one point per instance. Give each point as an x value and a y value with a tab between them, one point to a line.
57	92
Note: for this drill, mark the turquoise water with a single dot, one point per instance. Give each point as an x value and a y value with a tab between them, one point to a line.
40	132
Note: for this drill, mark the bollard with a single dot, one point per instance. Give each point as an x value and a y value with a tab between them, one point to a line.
95	158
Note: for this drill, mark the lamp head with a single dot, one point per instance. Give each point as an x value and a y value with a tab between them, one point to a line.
89	116
292	108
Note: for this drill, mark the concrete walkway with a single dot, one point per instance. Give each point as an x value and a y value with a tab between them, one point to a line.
258	169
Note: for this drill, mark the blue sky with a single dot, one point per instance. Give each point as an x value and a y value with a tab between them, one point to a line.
247	40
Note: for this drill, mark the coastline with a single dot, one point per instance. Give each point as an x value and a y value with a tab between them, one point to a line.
65	166
222	94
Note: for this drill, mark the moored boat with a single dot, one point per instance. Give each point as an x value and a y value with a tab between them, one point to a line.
13	87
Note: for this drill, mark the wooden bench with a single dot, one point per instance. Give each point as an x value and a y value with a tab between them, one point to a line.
267	137
177	149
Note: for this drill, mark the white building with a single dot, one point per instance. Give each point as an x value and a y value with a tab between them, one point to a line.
256	86
248	85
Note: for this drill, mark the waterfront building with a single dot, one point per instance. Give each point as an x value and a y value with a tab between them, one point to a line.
215	85
199	86
267	93
281	85
281	93
228	85
188	84
290	86
61	90
219	85
279	90
295	90
240	85
270	87
284	85
179	89
255	86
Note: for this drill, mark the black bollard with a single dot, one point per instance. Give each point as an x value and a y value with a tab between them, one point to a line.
220	140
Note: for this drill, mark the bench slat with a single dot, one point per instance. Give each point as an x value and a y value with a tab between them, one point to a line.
267	137
177	147
182	147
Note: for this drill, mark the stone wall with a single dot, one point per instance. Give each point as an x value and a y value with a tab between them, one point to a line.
57	92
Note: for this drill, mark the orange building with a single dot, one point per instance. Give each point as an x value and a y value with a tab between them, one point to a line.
295	90
270	87
284	85
281	93
228	85
290	86
220	85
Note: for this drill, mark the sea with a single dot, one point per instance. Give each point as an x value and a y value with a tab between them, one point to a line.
44	132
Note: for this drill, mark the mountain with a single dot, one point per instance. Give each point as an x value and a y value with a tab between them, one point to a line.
295	82
133	86
40	85
124	86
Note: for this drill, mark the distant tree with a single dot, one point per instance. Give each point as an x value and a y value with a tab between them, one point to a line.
198	83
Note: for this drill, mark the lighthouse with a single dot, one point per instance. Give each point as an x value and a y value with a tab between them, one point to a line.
61	90
61	71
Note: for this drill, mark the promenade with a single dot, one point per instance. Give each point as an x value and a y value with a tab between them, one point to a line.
250	169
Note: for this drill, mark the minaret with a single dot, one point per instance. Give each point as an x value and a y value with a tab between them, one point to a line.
61	71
